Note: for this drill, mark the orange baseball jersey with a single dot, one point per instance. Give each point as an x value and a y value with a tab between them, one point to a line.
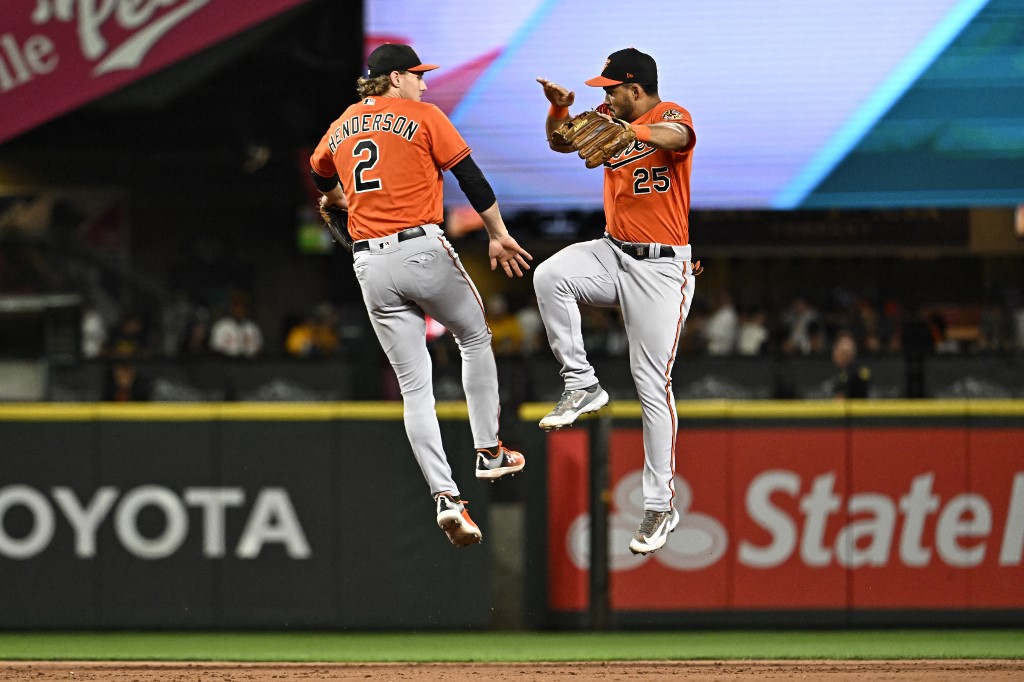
647	190
390	154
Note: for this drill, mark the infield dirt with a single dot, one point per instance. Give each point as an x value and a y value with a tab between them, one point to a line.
831	671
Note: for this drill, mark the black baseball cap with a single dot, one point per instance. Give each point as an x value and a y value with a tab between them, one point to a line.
626	66
395	57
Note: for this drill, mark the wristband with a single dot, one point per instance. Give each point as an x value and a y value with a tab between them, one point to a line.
643	132
558	112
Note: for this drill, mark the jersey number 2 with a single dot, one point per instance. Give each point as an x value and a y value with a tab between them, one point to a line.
368	155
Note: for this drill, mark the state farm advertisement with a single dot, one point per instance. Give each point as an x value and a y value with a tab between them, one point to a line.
56	55
803	518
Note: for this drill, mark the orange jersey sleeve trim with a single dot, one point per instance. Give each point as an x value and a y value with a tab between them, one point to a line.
455	160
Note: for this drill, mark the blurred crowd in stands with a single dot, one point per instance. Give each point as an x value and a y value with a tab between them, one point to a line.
226	324
717	325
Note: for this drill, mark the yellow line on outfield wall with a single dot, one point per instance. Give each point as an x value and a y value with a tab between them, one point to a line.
456	410
808	409
319	411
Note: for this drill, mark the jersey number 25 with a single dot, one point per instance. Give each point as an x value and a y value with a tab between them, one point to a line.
644	180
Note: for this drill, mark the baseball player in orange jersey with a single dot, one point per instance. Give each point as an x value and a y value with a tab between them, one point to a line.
642	264
382	160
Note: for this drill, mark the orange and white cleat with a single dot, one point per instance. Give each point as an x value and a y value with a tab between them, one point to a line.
492	464
454	520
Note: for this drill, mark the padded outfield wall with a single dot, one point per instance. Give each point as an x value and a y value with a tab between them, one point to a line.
315	515
806	513
227	515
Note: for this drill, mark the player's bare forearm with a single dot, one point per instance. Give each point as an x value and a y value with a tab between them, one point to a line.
502	247
561	99
670	136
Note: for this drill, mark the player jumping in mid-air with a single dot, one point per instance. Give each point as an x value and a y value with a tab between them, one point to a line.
642	264
382	160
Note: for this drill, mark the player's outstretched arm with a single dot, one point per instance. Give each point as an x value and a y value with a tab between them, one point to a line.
502	247
670	136
561	99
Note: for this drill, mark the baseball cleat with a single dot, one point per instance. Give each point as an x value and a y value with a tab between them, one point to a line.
454	520
490	466
653	531
572	404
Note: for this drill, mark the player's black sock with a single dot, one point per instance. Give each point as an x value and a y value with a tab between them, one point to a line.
491	452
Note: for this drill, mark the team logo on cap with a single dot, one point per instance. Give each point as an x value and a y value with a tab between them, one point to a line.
606	63
672	115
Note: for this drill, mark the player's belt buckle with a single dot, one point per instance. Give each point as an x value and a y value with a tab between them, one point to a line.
404	235
642	251
411	233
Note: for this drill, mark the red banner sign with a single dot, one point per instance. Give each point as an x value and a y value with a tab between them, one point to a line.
56	55
830	518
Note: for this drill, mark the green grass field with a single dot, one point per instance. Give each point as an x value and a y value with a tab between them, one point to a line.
513	646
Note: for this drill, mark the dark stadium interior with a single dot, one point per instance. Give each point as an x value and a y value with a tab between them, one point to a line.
207	163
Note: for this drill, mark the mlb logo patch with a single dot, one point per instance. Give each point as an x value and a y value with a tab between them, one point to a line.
384	245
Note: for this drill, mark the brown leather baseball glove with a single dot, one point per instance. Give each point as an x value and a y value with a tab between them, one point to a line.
597	138
336	222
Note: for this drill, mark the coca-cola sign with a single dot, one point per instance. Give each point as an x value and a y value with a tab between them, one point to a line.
56	55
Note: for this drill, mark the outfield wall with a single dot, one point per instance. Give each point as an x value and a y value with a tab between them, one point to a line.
228	515
824	513
315	515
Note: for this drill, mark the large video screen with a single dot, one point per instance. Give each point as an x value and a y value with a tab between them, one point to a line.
795	103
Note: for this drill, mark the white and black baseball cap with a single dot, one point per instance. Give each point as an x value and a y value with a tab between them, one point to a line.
395	57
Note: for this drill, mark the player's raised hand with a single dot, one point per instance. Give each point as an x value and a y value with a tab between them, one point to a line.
557	94
506	250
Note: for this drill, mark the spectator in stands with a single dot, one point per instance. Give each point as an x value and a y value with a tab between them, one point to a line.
866	326
123	383
197	333
692	340
752	335
316	336
851	380
237	335
130	336
532	327
804	329
506	334
94	332
890	326
938	328
722	326
175	317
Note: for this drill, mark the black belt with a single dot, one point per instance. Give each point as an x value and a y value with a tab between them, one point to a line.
641	251
404	235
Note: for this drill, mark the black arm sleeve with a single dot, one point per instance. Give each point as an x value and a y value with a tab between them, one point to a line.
323	184
473	184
